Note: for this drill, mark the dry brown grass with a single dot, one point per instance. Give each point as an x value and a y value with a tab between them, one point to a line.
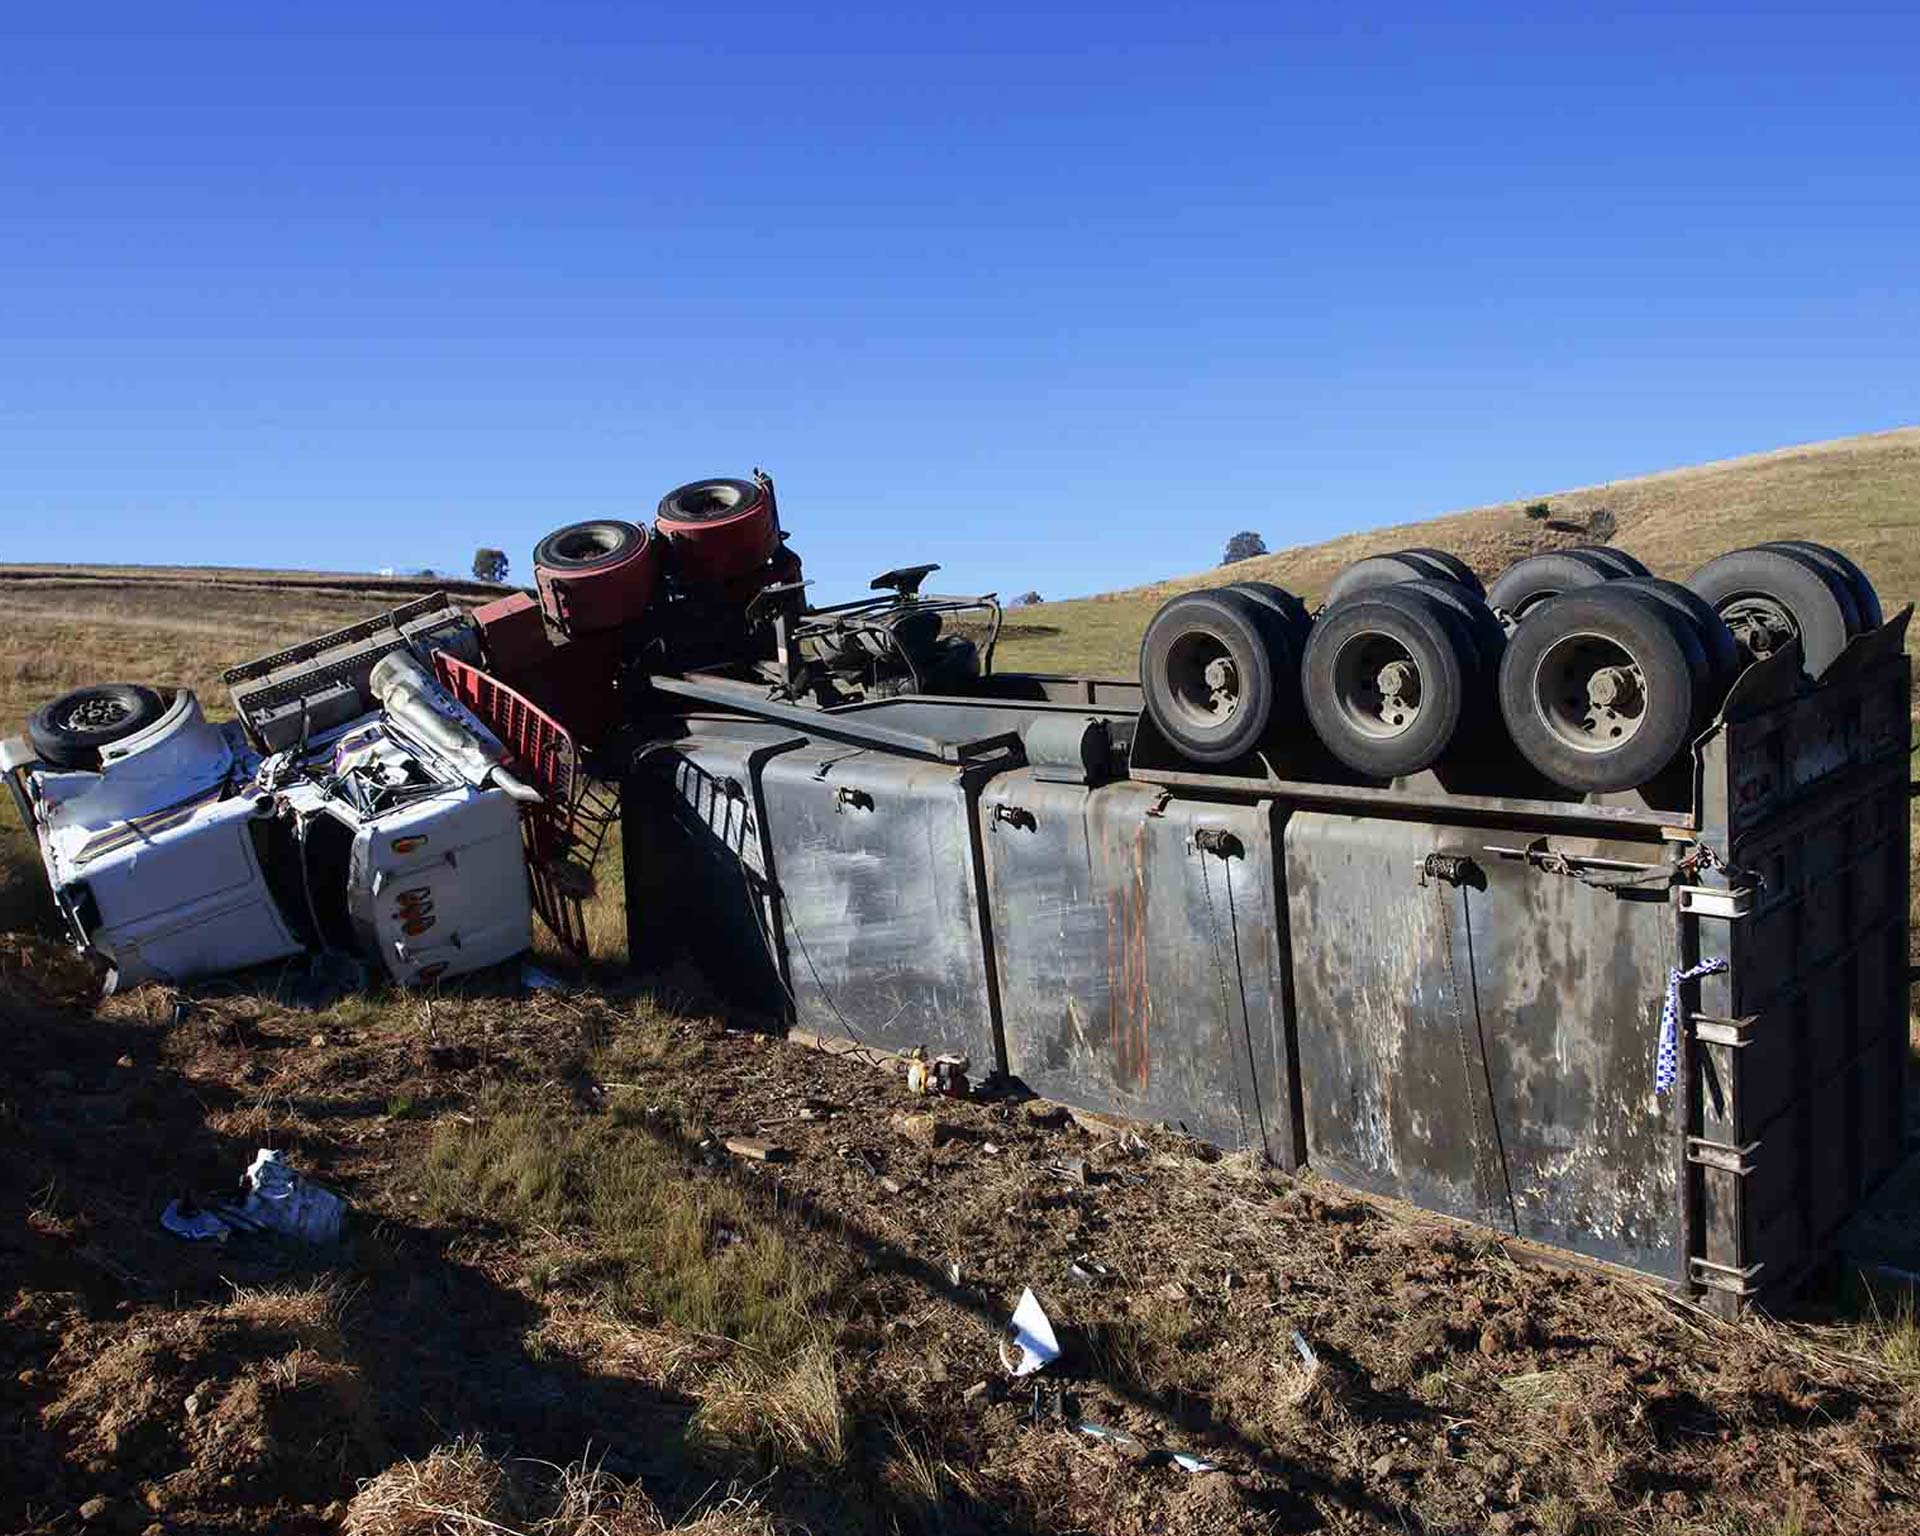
459	1490
260	1393
456	1490
791	1409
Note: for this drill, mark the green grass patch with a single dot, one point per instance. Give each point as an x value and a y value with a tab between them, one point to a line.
668	1240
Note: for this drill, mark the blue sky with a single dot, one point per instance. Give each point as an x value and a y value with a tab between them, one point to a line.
1059	297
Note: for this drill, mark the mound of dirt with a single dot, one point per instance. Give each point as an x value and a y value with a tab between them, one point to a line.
248	1404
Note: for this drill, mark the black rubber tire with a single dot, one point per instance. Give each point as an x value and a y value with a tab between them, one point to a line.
1487	641
1189	631
1653	637
70	731
589	546
1724	661
1398	622
1534	579
1704	680
1865	598
1293	612
1376	571
1447	567
708	501
1623	564
1811	600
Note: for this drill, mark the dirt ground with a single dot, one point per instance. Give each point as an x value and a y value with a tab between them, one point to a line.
556	1268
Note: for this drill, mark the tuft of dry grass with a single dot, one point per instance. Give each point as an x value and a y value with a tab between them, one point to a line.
457	1490
1891	1336
460	1490
791	1410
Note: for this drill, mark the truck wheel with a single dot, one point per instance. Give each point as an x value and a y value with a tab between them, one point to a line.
1724	661
595	576
1865	598
1211	668
1386	680
1376	571
1293	612
1446	567
1770	596
1597	687
1525	584
1623	564
1488	639
582	547
69	732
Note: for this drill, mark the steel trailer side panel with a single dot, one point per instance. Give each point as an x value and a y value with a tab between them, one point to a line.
1486	1048
699	885
1140	967
1802	1046
873	863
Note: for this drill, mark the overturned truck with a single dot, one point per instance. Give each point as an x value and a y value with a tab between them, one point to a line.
1575	906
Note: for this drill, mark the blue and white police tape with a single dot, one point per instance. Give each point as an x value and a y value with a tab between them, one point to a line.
1666	1060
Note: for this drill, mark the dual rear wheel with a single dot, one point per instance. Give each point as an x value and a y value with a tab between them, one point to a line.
1600	673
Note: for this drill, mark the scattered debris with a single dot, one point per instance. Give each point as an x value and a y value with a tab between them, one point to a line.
1085	1270
817	1109
946	1074
1049	1406
278	1199
1072	1169
861	1158
1305	1351
758	1148
1140	1450
1115	1437
1031	1333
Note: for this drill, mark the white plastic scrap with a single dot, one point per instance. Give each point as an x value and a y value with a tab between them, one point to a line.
1033	1336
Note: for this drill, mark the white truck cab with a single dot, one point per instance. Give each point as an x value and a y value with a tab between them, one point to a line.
176	847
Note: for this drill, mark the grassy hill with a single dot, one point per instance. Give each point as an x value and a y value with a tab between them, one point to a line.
1861	494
